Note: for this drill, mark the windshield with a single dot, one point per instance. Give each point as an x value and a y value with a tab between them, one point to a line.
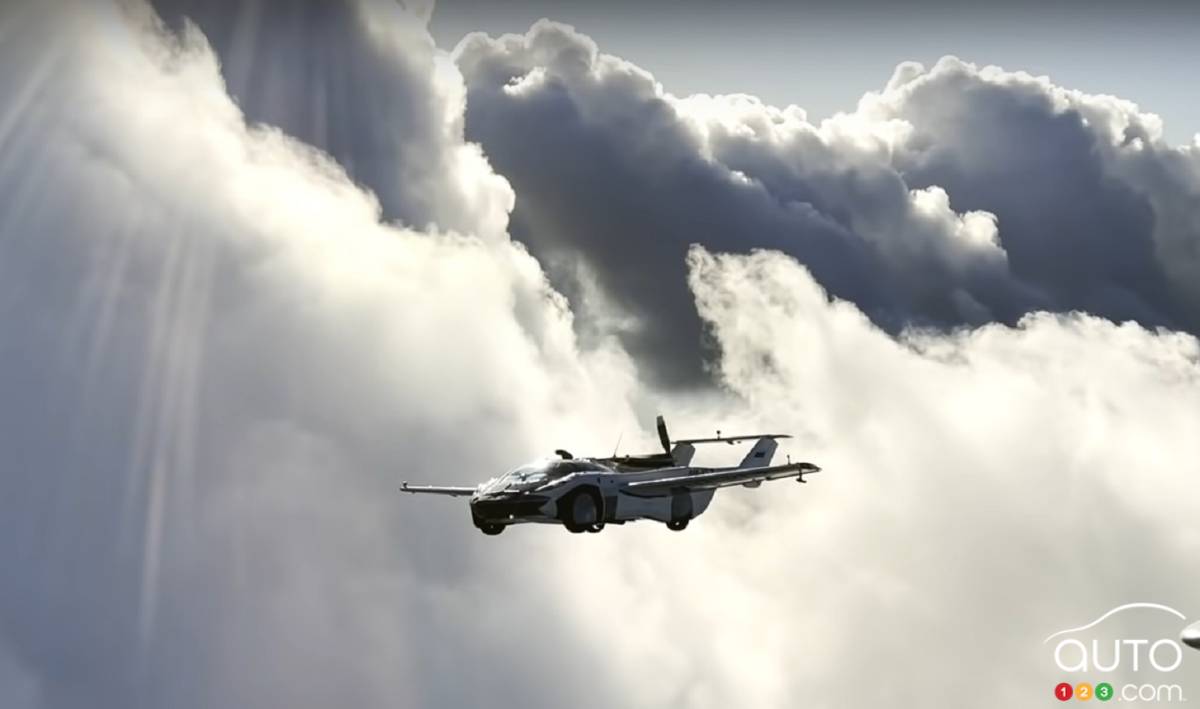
534	475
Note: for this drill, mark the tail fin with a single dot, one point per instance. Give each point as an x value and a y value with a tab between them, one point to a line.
682	453
760	455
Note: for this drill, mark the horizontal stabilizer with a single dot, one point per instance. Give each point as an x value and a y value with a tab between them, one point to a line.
734	439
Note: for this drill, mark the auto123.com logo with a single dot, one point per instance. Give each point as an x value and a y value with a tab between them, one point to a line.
1096	659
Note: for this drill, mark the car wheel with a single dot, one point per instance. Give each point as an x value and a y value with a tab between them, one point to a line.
580	510
678	525
595	528
491	529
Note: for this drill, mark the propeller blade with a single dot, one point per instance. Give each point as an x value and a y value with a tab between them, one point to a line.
662	434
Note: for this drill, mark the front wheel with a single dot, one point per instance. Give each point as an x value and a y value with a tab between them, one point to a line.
597	527
678	525
490	529
580	510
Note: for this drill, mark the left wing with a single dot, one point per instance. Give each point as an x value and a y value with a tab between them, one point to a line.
724	478
435	490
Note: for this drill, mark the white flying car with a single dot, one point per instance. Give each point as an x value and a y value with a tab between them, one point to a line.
584	494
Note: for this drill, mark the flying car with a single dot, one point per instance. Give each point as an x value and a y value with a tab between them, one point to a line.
585	494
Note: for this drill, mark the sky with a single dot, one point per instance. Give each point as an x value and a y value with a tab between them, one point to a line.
259	263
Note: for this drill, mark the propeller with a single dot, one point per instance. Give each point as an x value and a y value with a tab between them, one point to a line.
662	434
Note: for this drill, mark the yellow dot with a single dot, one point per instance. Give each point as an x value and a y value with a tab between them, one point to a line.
1083	692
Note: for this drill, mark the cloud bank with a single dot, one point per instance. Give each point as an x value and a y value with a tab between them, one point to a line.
225	338
956	195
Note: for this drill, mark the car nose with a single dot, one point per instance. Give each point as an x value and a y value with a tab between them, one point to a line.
506	505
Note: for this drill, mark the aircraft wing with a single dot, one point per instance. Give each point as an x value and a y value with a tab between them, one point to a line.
435	490
723	478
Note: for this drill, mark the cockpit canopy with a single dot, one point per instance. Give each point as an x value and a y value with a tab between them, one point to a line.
540	472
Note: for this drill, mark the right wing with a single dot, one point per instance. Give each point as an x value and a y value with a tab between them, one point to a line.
723	478
435	490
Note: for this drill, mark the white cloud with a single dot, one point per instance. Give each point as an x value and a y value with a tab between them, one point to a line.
979	487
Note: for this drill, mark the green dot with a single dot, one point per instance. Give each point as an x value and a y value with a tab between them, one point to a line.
1104	691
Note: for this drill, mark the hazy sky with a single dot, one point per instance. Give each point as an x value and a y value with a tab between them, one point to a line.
824	58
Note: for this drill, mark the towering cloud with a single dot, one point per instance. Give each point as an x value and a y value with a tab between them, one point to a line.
956	195
227	330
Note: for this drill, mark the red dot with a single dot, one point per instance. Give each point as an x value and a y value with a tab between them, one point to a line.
1063	692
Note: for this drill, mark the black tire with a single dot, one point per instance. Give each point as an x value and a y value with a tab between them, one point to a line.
574	509
596	528
490	529
678	525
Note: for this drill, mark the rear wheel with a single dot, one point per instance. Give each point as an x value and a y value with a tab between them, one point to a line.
678	525
594	528
490	529
580	510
